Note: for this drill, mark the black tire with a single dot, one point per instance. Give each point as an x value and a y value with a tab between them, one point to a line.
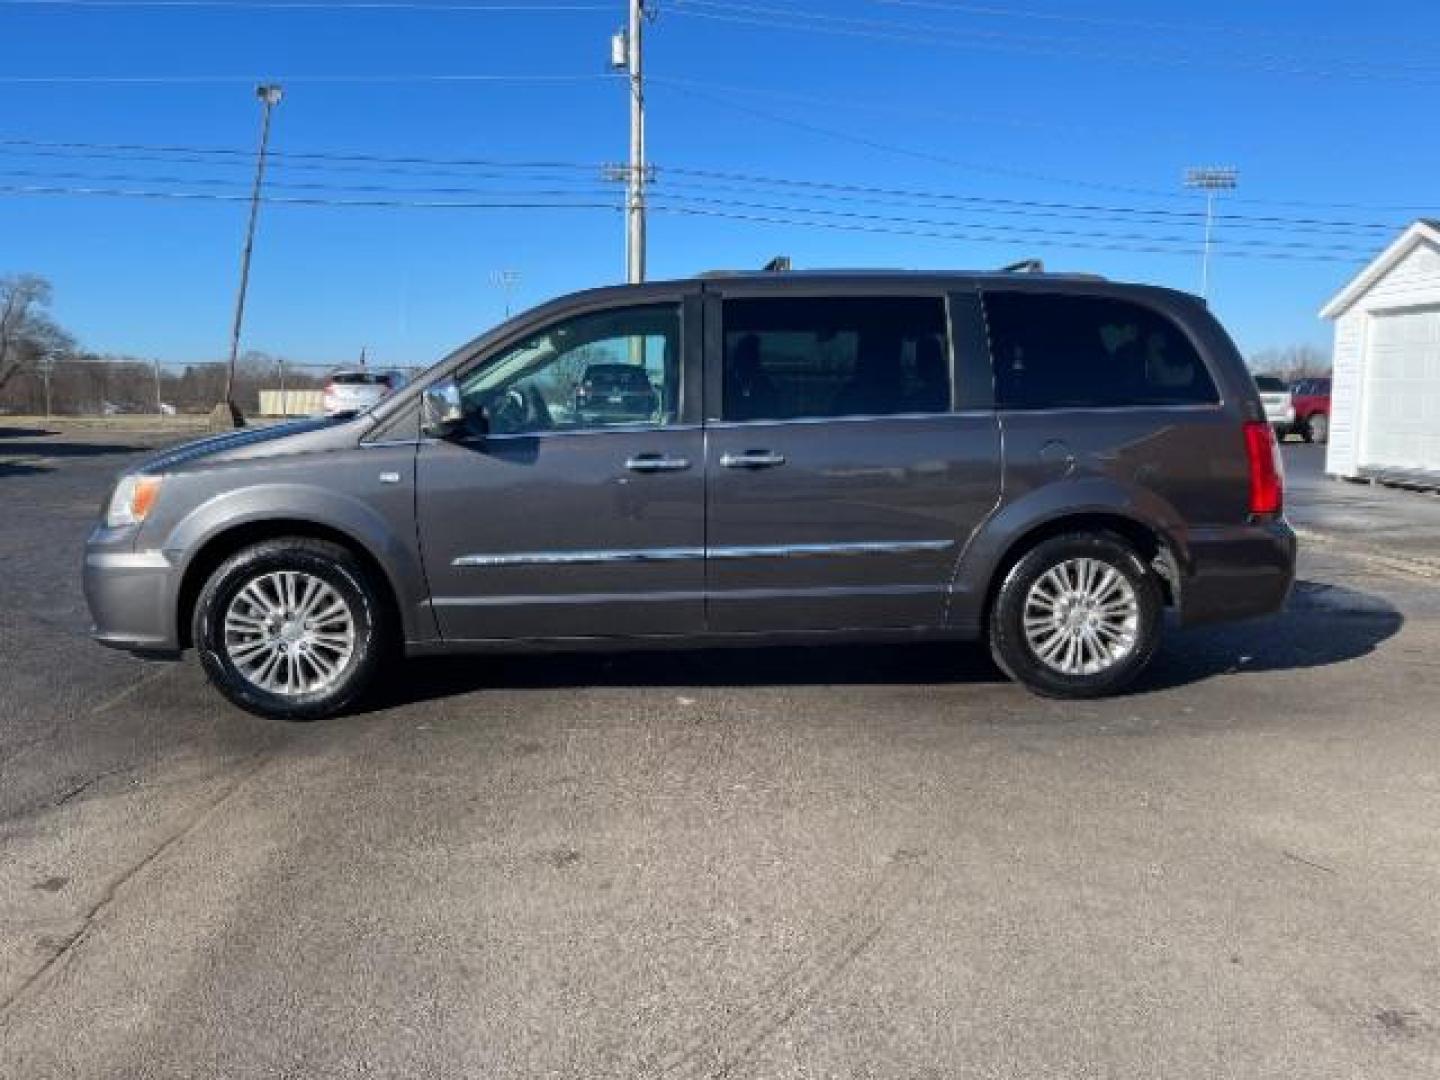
1012	650
334	565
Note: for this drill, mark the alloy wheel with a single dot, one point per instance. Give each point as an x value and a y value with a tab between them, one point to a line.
1081	617
289	633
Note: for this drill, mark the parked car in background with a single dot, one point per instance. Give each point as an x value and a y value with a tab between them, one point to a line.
1041	462
1311	401
616	392
1279	408
358	389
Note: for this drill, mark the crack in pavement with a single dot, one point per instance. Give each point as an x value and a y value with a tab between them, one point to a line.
248	771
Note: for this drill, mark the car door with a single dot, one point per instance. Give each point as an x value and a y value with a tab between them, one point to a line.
846	467
542	519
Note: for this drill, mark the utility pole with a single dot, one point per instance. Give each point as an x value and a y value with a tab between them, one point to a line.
269	95
627	54
505	281
1210	181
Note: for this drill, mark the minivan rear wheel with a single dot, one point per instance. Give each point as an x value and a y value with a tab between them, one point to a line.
1077	616
290	628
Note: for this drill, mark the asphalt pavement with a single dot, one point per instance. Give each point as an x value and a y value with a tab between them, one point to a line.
858	862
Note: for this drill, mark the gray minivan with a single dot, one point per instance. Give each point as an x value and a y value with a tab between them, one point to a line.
1040	461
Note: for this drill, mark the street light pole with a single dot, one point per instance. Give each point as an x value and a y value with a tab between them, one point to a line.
269	95
1210	181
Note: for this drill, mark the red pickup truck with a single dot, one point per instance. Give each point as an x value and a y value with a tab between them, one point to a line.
1311	400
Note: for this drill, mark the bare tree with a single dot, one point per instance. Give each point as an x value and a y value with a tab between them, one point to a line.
1292	363
27	333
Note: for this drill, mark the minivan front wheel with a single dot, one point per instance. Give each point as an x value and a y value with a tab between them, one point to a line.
1077	616
289	628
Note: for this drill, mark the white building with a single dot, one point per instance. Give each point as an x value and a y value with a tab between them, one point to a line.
1385	403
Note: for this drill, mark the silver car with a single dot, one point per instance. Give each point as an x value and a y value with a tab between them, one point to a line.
359	389
1278	402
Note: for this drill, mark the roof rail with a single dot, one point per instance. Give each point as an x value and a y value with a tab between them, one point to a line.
780	264
1024	266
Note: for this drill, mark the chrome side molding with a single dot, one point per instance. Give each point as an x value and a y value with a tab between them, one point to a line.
676	554
580	558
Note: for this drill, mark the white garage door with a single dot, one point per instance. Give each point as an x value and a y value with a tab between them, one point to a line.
1401	428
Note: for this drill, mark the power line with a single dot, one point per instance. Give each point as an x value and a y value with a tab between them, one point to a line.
894	192
1134	216
495	171
915	112
1084	19
1041	231
690	208
329	187
318	5
757	187
771	219
891	148
230	197
906	151
188	80
771	18
421	165
302	155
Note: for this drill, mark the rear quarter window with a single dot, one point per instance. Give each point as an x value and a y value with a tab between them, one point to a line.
1077	352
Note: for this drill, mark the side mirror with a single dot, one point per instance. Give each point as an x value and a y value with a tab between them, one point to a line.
441	412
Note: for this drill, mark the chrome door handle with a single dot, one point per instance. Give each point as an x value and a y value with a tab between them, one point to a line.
752	459
656	463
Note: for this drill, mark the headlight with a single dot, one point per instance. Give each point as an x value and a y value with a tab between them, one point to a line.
133	497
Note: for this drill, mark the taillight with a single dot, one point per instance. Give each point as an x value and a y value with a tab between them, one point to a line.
1267	471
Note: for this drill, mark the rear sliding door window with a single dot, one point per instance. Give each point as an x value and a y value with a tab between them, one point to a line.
1079	352
791	359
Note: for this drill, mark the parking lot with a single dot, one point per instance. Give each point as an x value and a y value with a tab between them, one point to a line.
792	863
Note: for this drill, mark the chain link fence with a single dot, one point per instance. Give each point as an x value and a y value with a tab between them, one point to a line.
86	386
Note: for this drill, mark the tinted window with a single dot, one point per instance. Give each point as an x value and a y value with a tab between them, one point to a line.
1270	384
599	370
357	378
786	359
622	376
1055	352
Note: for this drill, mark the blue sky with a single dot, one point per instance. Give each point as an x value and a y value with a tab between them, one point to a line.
1325	106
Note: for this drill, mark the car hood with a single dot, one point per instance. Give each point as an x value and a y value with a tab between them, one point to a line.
292	437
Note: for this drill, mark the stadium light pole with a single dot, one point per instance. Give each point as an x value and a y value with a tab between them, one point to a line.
1210	180
505	281
269	95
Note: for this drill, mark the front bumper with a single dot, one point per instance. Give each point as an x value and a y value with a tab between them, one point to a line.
131	595
1237	572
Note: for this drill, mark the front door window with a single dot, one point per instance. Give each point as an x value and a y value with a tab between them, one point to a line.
619	367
